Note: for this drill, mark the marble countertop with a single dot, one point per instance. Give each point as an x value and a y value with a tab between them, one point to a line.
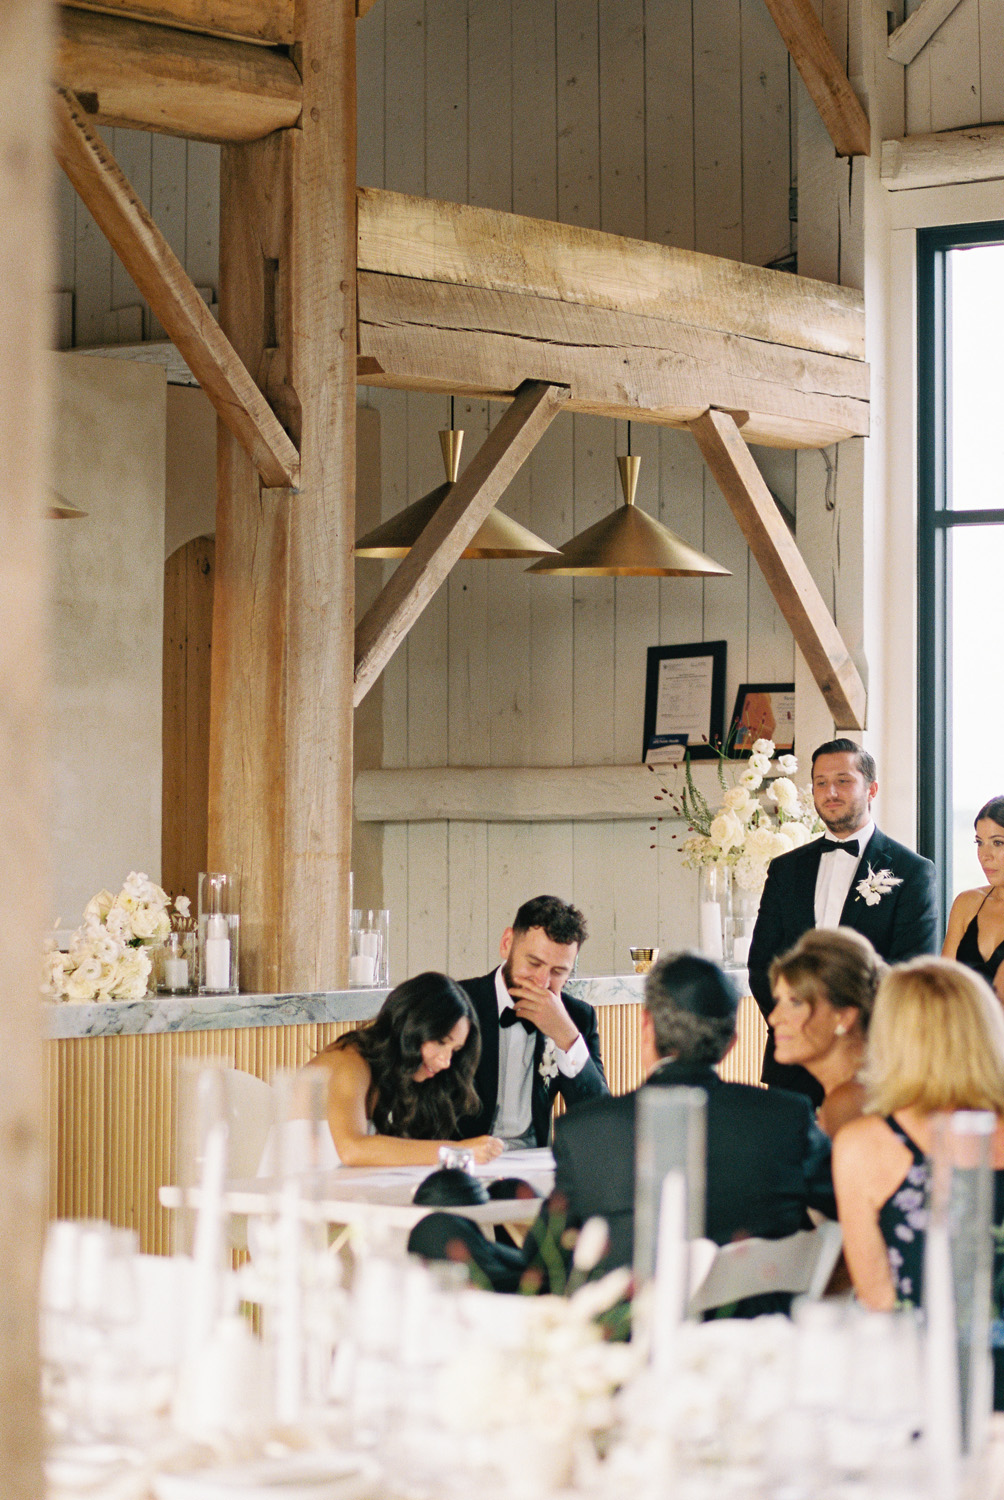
160	1013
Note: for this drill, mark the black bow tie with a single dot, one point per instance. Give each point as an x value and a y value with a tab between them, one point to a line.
827	846
509	1018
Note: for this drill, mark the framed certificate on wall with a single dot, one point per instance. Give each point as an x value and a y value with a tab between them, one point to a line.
684	701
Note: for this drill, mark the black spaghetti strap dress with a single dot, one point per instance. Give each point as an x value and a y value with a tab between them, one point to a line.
968	951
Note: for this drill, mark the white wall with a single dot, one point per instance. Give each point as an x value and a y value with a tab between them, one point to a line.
107	628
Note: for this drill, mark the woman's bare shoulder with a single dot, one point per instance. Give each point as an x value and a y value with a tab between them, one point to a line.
859	1139
342	1064
841	1106
967	903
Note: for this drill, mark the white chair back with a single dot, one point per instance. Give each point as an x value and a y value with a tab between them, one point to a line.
250	1116
801	1263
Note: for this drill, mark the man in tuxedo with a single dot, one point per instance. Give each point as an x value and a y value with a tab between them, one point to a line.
535	1041
853	877
767	1159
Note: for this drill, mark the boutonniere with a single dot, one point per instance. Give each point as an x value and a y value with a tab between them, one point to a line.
548	1068
876	884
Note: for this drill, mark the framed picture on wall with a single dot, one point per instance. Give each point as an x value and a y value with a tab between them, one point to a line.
684	701
763	711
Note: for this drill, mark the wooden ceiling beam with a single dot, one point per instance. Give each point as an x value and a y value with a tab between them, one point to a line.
265	21
975	154
823	75
174	82
783	566
162	279
435	336
402	235
414	582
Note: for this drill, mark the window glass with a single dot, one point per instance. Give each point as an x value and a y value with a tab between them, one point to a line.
976	584
976	378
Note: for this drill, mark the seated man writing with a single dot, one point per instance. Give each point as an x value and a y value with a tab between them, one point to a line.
767	1159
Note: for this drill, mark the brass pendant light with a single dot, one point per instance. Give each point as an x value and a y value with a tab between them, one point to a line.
629	543
61	509
499	536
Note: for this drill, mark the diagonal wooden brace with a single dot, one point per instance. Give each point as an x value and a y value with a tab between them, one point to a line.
824	76
409	589
166	285
783	566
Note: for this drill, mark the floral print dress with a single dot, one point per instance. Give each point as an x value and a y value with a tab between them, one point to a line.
903	1220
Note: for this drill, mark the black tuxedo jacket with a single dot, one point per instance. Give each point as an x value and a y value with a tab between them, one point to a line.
767	1161
589	1083
901	924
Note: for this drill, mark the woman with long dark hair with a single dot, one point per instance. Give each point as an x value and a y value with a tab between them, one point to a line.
975	935
397	1088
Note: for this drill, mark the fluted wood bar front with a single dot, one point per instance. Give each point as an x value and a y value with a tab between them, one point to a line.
112	1091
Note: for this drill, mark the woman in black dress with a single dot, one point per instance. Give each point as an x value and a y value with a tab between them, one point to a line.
975	933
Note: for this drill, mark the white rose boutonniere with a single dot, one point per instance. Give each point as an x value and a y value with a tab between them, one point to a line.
548	1068
876	884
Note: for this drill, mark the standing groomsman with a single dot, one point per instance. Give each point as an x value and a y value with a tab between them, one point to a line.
854	877
535	1041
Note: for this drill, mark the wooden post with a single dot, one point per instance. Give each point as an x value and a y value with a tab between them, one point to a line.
25	254
280	792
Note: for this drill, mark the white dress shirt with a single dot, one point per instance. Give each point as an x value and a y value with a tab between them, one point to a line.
836	874
514	1113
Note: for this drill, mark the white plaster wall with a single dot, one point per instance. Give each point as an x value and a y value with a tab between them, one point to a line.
190	504
107	628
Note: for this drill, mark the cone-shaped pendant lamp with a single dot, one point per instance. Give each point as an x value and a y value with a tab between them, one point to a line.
61	509
498	536
629	543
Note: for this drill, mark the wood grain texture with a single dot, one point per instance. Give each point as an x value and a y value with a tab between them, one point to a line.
429	561
177	82
188	618
162	279
26	256
402	235
944	157
917	30
241	20
791	583
518	794
436	336
823	75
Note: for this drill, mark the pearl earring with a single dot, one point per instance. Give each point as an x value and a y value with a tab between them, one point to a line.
839	1029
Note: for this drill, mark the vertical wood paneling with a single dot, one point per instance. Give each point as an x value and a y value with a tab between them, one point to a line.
766	137
669	122
718	129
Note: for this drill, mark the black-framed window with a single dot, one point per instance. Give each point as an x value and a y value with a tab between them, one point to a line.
960	596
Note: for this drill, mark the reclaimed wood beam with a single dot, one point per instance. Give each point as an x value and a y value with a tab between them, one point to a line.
434	336
917	30
413	583
162	279
823	75
975	154
401	235
175	82
783	566
281	720
268	21
27	236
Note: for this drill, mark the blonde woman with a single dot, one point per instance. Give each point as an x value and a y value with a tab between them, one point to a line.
936	1043
824	989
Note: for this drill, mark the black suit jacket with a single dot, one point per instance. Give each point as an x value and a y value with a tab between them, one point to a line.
901	924
589	1083
767	1161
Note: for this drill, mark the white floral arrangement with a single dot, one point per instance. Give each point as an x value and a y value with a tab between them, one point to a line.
754	823
108	958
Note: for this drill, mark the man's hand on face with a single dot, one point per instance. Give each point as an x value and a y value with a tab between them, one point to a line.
534	970
543	1009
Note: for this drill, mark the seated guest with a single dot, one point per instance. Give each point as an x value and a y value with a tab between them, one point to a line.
535	1041
397	1088
975	933
824	989
767	1159
936	1043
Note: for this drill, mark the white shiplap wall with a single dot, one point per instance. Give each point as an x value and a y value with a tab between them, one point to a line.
958	78
658	118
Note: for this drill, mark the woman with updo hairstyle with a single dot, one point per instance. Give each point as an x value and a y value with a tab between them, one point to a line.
936	1045
824	989
397	1087
975	933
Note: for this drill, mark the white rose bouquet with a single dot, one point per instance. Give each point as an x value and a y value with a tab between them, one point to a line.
754	822
107	958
